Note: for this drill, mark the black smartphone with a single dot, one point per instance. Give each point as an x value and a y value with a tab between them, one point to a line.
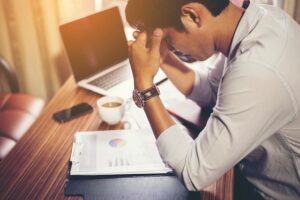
72	112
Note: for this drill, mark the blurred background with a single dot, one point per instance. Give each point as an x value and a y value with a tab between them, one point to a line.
31	44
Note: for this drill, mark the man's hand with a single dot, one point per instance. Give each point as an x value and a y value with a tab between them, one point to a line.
164	51
145	58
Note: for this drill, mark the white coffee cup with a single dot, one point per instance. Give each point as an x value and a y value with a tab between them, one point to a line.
111	109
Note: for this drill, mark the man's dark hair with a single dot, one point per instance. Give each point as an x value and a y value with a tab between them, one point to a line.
150	14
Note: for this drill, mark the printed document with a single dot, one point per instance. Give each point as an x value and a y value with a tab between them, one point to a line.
116	152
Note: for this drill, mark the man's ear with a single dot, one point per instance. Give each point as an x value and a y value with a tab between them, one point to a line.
191	15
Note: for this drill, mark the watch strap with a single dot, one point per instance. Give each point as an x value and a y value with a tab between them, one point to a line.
150	92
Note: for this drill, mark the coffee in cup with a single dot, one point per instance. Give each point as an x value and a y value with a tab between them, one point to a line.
111	109
111	104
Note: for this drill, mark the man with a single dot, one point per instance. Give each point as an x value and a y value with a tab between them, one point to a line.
255	93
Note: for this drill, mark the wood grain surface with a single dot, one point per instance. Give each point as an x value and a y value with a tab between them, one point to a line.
37	167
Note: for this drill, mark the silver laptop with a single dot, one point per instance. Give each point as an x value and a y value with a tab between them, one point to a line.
97	49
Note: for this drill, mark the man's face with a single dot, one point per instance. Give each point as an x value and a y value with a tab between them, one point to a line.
193	43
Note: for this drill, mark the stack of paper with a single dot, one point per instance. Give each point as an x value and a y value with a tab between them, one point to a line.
116	152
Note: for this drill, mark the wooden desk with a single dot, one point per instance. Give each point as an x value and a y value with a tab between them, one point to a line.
37	167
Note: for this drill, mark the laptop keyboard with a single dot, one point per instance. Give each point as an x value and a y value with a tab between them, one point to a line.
112	78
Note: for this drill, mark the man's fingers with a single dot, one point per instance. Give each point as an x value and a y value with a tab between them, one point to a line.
135	34
156	40
129	43
141	39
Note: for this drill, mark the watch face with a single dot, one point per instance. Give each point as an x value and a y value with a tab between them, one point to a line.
137	98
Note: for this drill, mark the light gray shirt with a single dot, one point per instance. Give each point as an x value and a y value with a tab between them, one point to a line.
255	120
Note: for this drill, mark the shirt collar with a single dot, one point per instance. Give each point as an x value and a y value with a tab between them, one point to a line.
247	23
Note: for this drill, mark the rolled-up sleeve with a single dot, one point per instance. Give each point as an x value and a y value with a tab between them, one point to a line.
206	83
169	151
248	111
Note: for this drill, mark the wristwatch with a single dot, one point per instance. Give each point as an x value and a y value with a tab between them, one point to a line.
140	97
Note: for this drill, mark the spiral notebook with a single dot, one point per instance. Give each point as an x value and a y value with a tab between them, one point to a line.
116	152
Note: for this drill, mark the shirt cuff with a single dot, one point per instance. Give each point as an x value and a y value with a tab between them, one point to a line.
173	145
201	91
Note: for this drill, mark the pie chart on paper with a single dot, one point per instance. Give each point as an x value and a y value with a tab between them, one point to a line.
117	143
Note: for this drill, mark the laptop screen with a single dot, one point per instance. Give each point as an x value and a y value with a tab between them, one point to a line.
95	43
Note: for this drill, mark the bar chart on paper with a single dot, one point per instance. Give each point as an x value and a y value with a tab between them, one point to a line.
116	152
